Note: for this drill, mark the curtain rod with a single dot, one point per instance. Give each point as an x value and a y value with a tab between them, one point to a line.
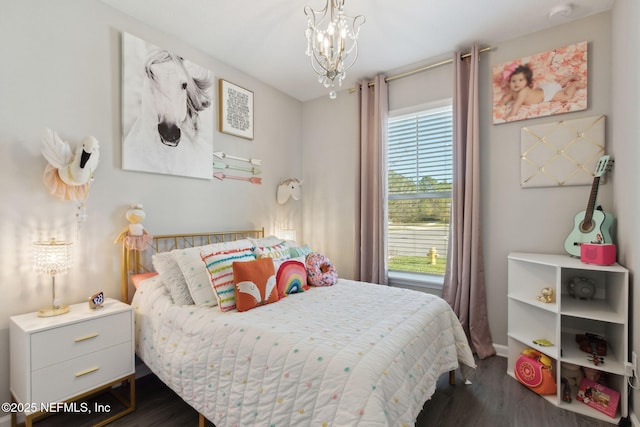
425	68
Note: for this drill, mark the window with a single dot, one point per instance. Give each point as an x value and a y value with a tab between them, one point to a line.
420	177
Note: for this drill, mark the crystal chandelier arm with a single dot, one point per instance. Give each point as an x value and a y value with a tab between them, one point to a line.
334	49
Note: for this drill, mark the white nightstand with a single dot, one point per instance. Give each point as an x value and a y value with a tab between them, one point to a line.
69	357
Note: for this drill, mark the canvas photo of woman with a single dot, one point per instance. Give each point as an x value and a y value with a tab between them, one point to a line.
552	82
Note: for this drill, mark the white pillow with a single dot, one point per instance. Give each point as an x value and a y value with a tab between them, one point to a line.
266	241
172	278
195	272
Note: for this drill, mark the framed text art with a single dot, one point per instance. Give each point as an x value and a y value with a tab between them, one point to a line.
236	110
544	84
167	112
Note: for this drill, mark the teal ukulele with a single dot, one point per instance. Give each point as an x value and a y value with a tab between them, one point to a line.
591	225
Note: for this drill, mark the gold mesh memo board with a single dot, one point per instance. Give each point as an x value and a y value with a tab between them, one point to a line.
561	153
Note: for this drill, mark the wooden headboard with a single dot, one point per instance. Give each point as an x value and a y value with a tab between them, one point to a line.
135	262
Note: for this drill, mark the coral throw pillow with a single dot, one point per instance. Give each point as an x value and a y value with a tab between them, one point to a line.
291	278
255	283
136	279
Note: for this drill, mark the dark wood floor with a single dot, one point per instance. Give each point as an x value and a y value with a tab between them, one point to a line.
493	400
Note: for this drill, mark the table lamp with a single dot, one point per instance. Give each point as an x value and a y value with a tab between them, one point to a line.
52	258
287	234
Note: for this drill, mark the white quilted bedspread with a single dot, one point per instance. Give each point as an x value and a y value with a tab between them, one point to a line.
346	355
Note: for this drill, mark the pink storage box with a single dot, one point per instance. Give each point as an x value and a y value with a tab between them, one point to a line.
598	397
600	254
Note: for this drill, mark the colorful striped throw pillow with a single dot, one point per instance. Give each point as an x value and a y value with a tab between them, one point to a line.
220	268
279	252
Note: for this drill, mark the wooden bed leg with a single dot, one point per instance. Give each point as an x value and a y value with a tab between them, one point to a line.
452	377
200	420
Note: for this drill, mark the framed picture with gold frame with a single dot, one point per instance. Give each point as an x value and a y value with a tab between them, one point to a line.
235	110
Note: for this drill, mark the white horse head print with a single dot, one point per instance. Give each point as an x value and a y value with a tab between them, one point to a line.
174	96
289	188
171	107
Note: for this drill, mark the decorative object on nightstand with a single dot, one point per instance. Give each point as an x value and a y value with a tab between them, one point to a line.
96	300
52	258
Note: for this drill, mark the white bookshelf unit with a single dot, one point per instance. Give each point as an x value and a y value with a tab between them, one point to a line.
606	314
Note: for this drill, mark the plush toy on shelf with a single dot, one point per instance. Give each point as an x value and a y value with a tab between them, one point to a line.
135	237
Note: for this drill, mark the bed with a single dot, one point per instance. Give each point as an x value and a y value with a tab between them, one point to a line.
349	354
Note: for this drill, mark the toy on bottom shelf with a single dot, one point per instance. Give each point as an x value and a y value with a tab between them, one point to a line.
534	370
598	397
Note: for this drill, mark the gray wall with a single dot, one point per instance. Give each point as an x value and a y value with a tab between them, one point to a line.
533	219
625	138
65	73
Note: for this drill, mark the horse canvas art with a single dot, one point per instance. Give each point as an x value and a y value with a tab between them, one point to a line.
167	121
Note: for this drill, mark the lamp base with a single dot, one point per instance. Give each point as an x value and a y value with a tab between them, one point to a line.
52	311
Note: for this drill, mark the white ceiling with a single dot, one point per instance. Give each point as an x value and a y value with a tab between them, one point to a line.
265	39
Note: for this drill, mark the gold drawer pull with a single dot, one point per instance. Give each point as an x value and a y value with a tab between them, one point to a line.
88	337
87	371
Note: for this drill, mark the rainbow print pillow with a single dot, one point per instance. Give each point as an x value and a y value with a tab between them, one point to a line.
291	278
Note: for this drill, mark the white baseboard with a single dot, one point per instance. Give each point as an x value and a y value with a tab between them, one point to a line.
501	350
634	419
5	421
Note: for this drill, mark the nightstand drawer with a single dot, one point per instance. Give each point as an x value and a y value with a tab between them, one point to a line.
70	341
75	376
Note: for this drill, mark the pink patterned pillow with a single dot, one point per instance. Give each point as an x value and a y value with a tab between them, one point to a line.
320	271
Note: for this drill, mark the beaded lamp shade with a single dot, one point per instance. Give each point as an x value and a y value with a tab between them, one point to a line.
52	258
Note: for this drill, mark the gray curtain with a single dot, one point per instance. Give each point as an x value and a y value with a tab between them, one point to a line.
371	215
464	286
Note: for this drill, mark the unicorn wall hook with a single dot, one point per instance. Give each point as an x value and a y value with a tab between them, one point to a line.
289	188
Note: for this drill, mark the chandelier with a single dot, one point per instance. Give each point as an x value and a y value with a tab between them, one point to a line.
332	41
